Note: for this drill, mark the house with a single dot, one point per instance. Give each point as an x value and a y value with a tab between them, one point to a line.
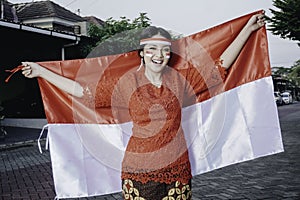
49	15
36	31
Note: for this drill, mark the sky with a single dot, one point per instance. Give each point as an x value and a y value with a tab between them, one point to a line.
186	17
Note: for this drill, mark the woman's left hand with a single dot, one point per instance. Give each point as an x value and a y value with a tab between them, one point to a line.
256	21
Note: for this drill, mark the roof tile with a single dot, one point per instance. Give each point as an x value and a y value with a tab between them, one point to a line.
40	9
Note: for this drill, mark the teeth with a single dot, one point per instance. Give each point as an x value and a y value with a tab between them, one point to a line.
157	61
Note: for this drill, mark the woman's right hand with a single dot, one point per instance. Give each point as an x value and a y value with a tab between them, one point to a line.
31	69
256	21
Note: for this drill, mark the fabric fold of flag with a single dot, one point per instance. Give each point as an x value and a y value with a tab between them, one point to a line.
232	121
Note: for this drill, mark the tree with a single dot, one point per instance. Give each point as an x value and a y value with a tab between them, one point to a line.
294	74
116	36
285	21
281	71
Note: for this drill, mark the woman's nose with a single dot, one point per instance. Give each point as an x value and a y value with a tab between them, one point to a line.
159	53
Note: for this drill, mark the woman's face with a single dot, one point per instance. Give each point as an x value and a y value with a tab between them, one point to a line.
156	55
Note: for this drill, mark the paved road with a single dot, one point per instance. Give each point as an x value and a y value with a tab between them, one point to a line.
26	174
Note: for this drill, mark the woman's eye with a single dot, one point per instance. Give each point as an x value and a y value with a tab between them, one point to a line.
151	48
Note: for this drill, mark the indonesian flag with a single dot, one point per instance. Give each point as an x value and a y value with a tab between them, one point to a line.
232	121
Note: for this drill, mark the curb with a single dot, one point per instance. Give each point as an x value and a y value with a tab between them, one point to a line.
20	144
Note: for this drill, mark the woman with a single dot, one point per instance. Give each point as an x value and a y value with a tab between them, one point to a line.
155	164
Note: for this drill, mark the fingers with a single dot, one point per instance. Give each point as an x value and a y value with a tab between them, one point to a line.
26	70
261	20
25	63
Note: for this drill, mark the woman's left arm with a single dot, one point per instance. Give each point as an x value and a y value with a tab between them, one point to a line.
230	54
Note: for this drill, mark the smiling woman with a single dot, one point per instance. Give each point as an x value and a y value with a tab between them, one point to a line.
156	159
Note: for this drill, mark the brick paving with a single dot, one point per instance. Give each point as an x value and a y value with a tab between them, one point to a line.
26	174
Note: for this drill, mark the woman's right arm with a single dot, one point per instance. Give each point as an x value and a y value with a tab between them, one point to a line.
32	70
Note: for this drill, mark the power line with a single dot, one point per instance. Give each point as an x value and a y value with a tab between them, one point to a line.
70	3
91	3
79	9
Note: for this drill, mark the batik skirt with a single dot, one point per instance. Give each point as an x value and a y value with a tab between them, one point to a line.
156	191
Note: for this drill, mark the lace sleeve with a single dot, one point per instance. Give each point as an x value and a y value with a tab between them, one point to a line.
96	95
